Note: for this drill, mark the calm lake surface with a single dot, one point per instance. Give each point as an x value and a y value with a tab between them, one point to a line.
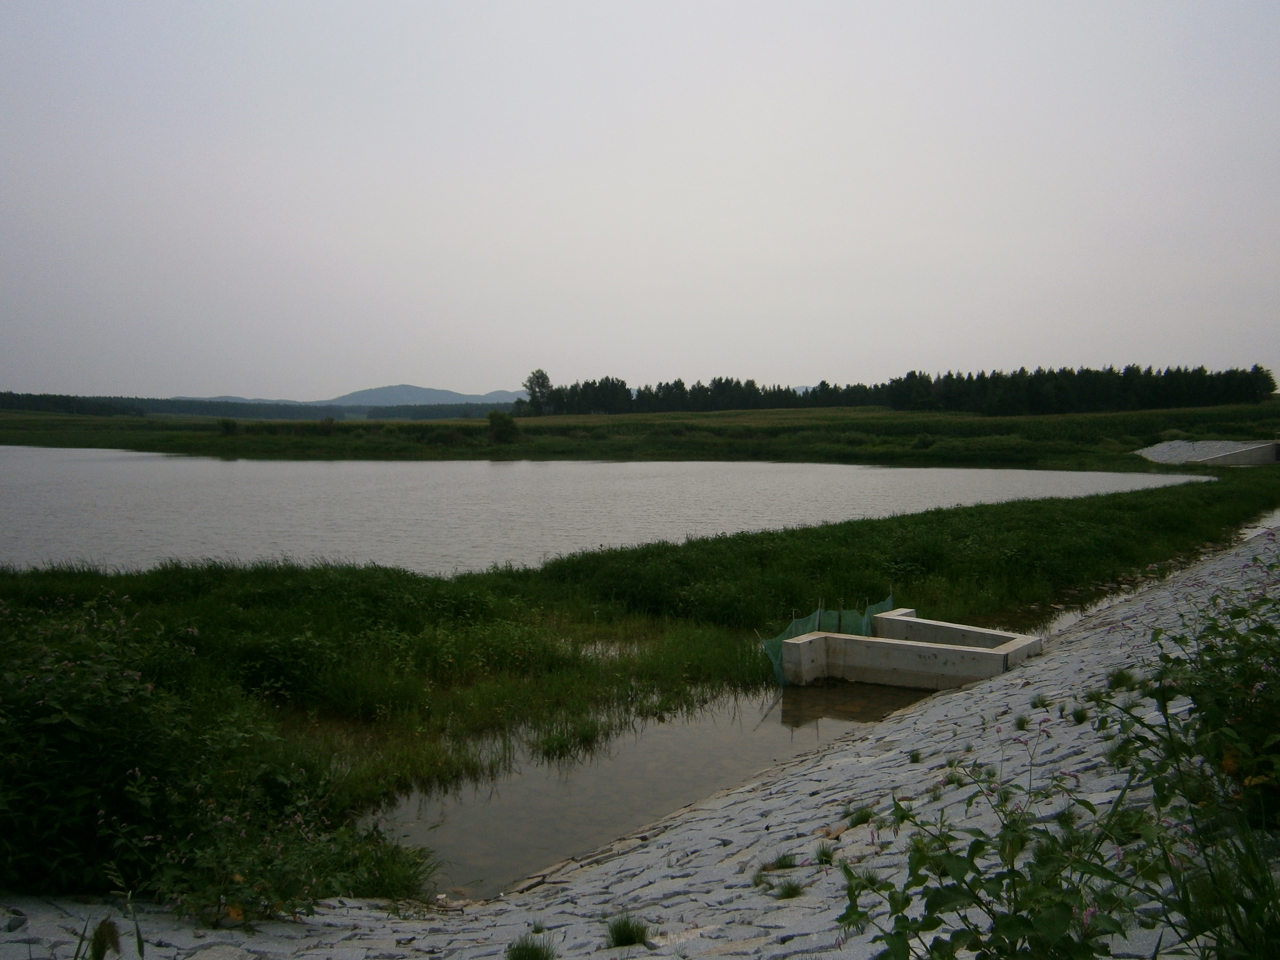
132	510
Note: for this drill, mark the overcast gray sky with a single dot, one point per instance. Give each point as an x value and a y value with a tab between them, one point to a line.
303	199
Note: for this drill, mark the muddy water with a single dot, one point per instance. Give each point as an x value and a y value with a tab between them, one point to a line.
492	837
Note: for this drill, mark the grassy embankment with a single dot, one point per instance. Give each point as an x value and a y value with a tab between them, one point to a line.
212	730
837	435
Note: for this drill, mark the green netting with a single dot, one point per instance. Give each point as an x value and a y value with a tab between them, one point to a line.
829	621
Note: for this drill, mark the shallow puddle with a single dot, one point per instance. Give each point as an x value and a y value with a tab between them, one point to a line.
492	837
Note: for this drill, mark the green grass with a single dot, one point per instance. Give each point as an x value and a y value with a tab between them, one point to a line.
529	947
273	703
627	931
789	890
837	435
860	816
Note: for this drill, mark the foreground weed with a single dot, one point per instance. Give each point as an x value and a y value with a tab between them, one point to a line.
627	931
1059	877
529	947
976	890
119	889
106	936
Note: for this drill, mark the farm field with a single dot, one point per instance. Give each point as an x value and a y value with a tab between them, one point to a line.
835	435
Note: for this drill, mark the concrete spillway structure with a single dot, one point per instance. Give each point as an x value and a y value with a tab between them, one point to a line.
906	651
1220	453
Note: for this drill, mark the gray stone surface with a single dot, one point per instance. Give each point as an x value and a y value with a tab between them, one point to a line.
690	876
1193	451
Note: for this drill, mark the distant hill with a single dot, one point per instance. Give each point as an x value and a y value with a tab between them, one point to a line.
403	394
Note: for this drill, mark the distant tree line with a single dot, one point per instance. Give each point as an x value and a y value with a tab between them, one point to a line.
57	403
435	411
994	394
245	409
141	406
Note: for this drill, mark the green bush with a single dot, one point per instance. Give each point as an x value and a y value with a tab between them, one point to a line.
503	427
89	746
190	797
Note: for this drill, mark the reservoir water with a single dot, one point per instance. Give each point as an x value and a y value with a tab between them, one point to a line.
120	509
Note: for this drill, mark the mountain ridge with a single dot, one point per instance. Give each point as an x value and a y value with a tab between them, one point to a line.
400	394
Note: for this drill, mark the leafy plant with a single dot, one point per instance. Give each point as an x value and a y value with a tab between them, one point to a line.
1033	887
1057	877
1212	768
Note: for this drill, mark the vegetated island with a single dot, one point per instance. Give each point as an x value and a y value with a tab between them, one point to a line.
1083	419
207	734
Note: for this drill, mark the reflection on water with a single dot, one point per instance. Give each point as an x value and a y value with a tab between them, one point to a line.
832	699
495	835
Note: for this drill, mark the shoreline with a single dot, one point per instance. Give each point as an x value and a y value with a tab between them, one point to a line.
689	875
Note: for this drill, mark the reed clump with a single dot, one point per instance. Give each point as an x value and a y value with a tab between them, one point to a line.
626	931
530	947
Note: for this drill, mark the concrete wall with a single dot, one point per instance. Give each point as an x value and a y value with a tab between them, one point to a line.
1252	457
903	661
903	624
